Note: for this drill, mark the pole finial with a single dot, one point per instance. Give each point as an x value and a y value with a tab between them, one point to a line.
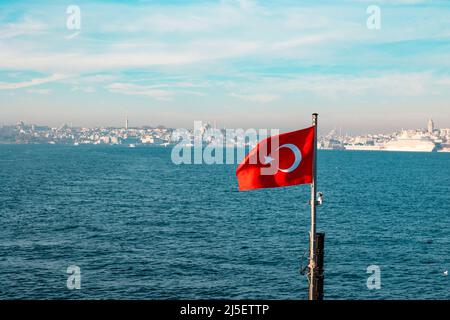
315	116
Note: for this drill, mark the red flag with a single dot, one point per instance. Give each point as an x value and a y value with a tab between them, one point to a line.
279	161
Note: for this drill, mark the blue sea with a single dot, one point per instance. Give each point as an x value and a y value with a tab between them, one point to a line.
140	227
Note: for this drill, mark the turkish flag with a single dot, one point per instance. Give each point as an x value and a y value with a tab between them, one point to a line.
279	161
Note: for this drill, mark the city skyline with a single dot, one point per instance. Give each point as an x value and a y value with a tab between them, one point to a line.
240	63
339	131
139	123
430	139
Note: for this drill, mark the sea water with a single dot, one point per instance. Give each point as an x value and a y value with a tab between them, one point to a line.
140	227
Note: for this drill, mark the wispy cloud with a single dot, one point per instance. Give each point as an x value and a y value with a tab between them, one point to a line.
326	87
83	89
259	98
410	84
394	1
116	59
133	89
72	36
32	82
39	91
98	78
26	26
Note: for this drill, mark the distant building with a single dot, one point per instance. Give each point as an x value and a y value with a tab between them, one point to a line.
115	140
147	139
105	140
430	126
445	132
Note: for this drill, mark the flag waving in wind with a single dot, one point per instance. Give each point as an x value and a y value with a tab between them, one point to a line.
279	161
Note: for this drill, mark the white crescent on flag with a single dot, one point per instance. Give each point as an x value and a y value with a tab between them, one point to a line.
295	150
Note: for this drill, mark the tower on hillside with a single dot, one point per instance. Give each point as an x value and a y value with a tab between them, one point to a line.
126	122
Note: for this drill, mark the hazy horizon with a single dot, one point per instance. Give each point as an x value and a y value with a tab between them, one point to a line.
322	130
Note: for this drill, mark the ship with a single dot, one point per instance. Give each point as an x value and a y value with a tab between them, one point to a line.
363	147
411	143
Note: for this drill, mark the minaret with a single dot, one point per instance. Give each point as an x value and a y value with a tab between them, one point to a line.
126	122
430	126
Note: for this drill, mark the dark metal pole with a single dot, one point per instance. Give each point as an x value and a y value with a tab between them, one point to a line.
320	242
312	236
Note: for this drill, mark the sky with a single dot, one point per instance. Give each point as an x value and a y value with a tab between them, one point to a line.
239	63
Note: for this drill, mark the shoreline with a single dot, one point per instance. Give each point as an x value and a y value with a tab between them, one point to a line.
163	146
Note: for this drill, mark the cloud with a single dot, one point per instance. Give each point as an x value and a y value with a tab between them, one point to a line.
39	91
394	2
259	98
410	84
205	32
25	27
326	87
200	18
166	35
84	62
32	82
163	92
133	89
247	5
138	56
305	40
83	89
72	36
99	78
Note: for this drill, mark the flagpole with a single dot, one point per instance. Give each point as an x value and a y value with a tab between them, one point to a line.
313	275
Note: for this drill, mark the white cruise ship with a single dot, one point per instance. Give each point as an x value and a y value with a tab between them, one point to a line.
411	143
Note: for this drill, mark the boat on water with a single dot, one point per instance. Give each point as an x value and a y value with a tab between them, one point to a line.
411	143
132	145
